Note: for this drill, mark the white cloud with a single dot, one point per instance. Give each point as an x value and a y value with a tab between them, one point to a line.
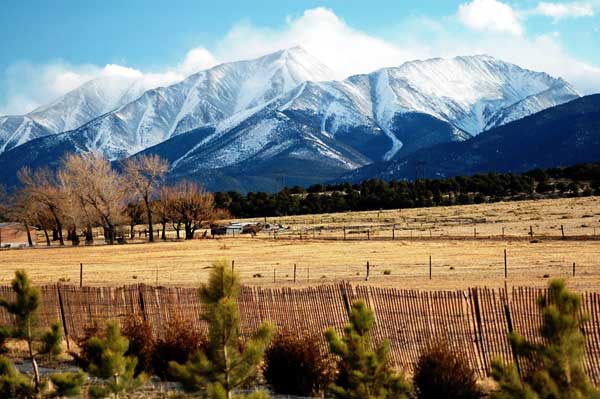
197	59
323	34
564	10
490	15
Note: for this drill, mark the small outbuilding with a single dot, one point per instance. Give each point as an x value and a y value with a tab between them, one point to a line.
14	235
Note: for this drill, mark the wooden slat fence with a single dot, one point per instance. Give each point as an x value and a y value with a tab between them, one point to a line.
475	323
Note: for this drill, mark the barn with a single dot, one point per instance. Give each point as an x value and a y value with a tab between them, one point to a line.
14	235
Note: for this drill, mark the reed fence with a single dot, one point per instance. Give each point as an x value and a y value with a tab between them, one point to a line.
475	323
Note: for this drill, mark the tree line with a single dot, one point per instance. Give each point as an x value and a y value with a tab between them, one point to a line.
86	192
579	180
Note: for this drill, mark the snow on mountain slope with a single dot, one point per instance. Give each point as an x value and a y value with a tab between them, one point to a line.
465	91
381	116
205	98
70	111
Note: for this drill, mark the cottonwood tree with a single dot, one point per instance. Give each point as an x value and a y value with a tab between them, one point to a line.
144	174
44	221
135	214
100	188
166	199
42	187
162	210
24	209
557	370
72	176
191	206
363	373
226	365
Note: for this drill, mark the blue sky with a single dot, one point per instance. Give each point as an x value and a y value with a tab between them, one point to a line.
50	47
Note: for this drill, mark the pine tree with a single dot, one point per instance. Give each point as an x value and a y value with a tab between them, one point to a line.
108	362
557	364
25	309
363	373
226	365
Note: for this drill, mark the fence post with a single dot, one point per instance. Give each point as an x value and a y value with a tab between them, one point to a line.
430	267
80	275
345	298
368	271
505	265
273	274
562	231
393	232
511	330
142	304
344	233
294	272
474	232
232	265
573	269
531	231
62	317
369	234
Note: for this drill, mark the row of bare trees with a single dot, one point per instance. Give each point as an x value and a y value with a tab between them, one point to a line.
86	192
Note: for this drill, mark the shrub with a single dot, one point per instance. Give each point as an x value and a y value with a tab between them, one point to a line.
141	343
180	340
441	373
296	366
83	358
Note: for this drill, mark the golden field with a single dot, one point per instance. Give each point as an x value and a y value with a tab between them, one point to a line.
460	257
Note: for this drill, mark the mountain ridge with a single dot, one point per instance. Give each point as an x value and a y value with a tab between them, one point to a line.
283	109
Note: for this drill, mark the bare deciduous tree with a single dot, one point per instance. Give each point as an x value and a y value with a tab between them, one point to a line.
135	215
144	174
23	209
192	206
43	188
100	188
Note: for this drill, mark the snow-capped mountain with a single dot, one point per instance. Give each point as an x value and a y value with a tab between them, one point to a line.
70	111
202	99
381	116
282	114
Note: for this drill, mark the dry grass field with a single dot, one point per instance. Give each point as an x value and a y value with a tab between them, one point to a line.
447	234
